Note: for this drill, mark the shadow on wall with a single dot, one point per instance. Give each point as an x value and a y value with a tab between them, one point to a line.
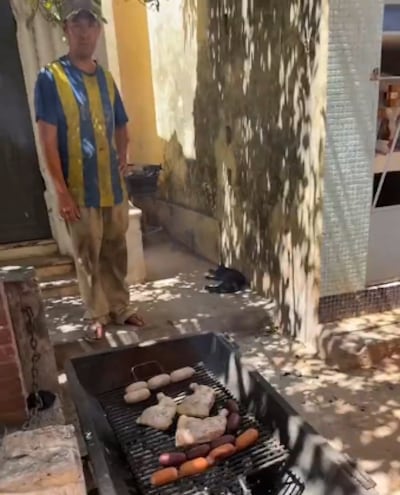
259	120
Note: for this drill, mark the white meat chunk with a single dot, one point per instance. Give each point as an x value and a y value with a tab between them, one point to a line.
199	404
161	416
194	431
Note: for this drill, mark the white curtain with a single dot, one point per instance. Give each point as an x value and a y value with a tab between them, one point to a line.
39	43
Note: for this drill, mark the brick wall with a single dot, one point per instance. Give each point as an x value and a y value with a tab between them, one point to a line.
13	409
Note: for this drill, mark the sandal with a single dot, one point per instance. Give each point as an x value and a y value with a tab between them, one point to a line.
135	320
94	332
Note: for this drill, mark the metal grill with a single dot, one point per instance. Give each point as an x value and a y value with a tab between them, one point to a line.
143	446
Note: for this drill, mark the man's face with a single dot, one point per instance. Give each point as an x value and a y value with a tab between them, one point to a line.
82	32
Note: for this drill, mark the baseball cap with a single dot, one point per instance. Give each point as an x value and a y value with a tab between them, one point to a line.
71	8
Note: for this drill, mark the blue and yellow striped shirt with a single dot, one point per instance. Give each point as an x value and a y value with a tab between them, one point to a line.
86	109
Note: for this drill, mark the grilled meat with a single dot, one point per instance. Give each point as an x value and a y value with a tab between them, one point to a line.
193	431
199	404
161	416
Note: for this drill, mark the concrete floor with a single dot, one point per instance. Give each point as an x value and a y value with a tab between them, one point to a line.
358	412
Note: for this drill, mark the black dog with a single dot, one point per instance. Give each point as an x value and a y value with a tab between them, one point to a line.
230	280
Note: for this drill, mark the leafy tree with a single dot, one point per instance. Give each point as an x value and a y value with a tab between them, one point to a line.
51	8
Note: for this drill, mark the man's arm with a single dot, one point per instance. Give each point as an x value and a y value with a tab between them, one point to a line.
121	142
121	131
46	117
49	141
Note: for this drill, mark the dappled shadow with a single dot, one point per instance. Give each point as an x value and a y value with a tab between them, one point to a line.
258	119
358	411
174	304
258	114
271	204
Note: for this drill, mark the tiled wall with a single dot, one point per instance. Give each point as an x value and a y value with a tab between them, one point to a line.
375	299
354	51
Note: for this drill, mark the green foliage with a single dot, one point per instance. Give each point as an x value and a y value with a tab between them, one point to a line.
51	8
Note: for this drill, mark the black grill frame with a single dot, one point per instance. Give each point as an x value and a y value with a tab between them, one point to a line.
143	446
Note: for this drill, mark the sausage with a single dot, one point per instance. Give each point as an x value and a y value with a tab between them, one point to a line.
222	441
159	381
137	396
221	452
182	374
164	476
233	423
135	386
199	451
247	439
232	406
195	466
172	459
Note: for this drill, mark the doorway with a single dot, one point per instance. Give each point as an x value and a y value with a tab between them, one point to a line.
384	239
23	212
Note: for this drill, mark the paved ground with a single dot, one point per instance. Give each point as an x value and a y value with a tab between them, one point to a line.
358	412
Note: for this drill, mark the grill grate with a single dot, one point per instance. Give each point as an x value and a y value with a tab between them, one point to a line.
142	446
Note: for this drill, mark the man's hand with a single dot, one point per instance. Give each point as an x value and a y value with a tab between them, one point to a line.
69	210
121	141
123	168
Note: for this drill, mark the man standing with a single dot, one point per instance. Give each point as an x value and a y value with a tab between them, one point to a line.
83	129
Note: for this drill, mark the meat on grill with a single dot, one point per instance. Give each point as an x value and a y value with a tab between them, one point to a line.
199	404
192	431
161	416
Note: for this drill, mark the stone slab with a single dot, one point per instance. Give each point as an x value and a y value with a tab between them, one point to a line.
360	342
43	461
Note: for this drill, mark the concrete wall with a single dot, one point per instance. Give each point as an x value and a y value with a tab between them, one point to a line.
240	105
132	39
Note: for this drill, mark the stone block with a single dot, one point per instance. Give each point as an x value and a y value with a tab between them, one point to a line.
41	462
136	266
23	295
13	410
25	442
360	343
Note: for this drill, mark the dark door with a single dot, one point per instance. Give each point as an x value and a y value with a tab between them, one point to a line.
23	213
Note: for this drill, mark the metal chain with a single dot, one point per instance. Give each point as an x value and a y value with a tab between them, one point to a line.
32	330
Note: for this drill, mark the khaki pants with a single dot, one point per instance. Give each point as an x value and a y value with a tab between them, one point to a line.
100	252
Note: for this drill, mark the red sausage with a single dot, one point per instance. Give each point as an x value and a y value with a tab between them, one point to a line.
172	459
247	439
221	452
196	466
164	476
199	451
222	441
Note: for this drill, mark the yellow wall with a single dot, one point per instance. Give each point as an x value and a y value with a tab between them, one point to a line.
132	35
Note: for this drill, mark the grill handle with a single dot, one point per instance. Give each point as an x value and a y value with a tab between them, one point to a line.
147	370
231	341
